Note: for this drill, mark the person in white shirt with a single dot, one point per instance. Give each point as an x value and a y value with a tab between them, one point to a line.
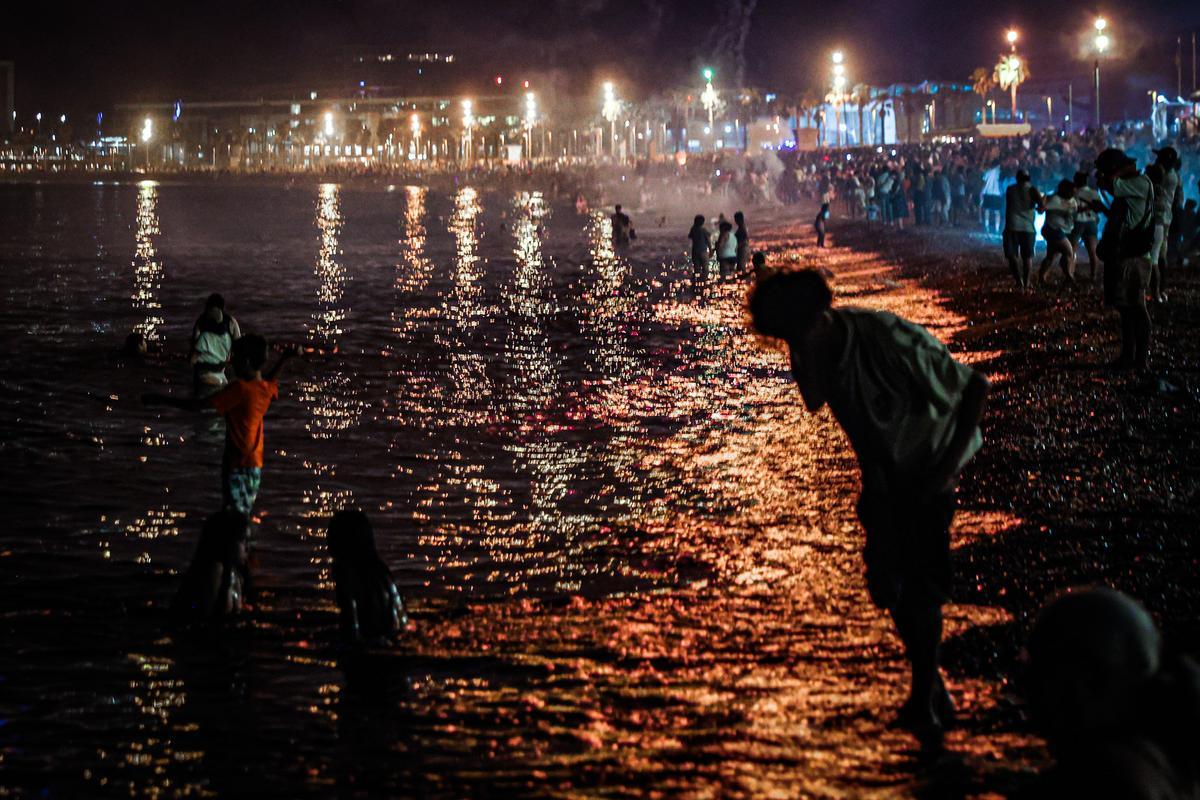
1060	209
1087	222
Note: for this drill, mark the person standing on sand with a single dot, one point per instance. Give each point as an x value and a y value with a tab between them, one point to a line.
1021	201
1125	250
912	415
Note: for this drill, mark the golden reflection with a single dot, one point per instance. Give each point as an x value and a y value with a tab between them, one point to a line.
330	391
147	267
148	762
465	308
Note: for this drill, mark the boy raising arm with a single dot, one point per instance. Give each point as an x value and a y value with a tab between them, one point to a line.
243	403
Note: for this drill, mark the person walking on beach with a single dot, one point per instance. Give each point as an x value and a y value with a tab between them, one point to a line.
1060	210
622	229
726	249
991	199
912	414
1020	207
213	336
243	403
1087	222
1125	250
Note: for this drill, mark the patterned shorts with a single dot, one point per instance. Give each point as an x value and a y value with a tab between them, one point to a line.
239	488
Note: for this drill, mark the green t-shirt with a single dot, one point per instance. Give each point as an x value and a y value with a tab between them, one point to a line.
1019	211
897	392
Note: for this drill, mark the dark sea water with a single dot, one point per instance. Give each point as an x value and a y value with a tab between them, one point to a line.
629	555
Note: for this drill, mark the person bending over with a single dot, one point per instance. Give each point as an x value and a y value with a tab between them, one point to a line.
912	415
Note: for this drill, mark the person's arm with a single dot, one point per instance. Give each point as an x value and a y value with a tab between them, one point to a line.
288	352
182	403
235	330
970	412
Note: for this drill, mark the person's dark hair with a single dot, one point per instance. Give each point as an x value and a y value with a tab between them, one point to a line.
724	227
135	344
739	218
1022	176
1081	180
1112	160
351	537
252	349
1155	173
759	259
1066	189
618	208
786	305
699	220
214	301
220	538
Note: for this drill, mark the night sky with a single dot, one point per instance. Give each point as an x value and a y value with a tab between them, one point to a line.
80	57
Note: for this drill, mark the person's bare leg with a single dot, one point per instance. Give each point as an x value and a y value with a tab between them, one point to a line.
1026	269
919	626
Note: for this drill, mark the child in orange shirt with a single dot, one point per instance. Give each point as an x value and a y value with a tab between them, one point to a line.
243	403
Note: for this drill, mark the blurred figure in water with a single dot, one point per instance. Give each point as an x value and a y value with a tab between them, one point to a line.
761	270
213	336
214	585
134	348
622	229
701	238
912	415
1120	720
371	610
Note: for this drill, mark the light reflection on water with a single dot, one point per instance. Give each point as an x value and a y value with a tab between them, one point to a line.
147	267
630	555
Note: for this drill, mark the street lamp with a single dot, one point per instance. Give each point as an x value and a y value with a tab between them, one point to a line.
328	124
415	126
611	110
1102	42
839	89
468	127
1011	36
709	96
530	121
147	135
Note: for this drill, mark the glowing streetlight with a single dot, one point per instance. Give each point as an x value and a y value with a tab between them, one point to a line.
709	96
328	124
1011	37
839	89
610	111
1102	43
531	115
147	135
468	121
414	125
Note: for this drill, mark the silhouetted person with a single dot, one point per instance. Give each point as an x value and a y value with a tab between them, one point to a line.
1125	250
1121	721
622	229
701	239
743	242
819	224
912	415
369	606
1021	201
213	586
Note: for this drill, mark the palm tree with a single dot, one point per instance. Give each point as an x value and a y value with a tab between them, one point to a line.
983	82
1011	72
